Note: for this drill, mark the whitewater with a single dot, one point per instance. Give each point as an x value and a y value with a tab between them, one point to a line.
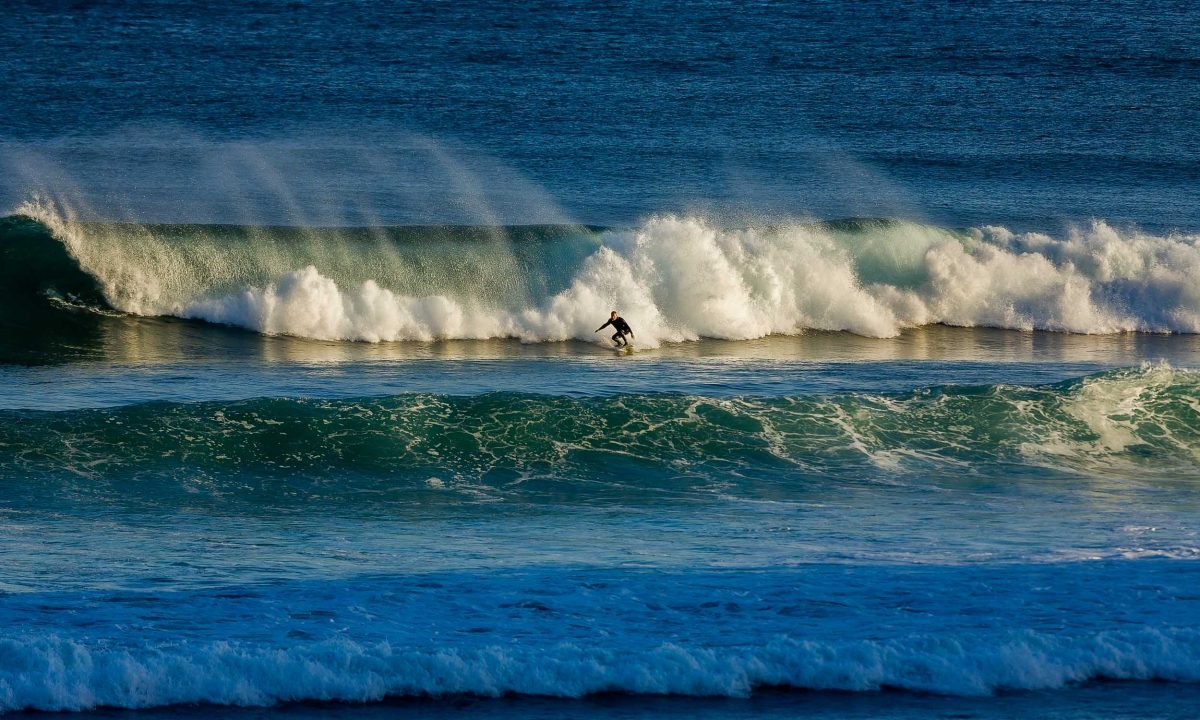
675	277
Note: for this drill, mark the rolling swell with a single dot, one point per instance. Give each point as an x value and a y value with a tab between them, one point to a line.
432	449
676	278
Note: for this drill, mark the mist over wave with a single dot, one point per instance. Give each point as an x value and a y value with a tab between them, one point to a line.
675	278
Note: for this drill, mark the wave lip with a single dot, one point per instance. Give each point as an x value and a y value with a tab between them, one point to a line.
676	278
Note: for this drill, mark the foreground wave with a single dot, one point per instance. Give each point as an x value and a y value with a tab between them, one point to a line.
569	632
225	673
676	278
1142	423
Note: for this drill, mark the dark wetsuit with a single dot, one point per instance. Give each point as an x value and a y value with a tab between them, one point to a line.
622	329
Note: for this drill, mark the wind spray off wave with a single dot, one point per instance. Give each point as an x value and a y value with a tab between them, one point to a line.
676	278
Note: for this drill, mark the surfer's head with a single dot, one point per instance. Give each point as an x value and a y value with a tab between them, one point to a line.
614	314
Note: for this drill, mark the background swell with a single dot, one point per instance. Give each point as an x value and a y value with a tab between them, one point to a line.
434	449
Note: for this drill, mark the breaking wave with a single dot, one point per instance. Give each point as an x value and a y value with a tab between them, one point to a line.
70	675
571	632
675	278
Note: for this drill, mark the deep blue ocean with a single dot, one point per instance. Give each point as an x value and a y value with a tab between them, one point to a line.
303	410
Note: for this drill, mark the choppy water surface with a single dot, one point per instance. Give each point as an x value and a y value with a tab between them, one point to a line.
378	521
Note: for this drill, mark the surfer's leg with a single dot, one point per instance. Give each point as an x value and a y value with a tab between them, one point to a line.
618	338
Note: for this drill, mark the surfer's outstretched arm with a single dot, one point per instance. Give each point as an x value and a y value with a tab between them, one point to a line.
603	326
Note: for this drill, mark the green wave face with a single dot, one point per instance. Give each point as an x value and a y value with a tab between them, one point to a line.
421	450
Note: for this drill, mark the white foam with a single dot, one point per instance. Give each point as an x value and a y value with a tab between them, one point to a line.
308	304
1095	281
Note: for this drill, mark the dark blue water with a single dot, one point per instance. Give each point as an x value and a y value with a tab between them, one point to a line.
1025	114
303	410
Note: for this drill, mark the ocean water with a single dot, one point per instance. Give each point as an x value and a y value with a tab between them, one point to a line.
303	411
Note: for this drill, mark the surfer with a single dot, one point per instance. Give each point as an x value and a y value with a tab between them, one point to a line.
620	326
